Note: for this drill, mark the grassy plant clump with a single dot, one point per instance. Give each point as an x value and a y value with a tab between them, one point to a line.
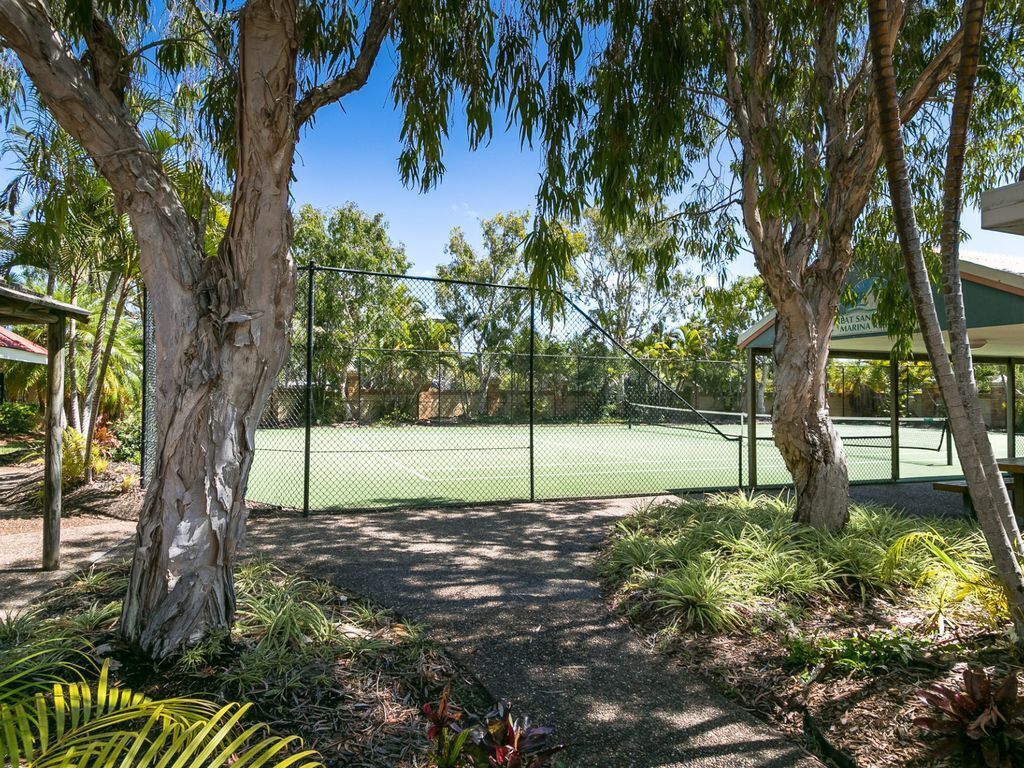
736	560
857	653
346	676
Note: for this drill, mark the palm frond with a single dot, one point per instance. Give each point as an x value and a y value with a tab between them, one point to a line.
81	725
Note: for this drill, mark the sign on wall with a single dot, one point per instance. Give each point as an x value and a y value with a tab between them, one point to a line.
858	317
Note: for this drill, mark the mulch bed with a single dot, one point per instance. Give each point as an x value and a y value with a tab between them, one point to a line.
115	493
363	711
849	719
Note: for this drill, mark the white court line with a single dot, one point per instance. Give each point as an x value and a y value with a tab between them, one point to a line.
623	466
387	457
651	471
595	451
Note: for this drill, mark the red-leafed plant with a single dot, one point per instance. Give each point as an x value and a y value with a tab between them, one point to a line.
510	743
105	440
983	721
444	731
496	741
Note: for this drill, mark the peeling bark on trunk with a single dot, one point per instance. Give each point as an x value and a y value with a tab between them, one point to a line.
214	381
804	255
222	323
802	429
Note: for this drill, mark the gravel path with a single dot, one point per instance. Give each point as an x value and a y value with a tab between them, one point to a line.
511	590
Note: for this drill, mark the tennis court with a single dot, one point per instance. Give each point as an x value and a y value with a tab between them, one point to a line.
358	466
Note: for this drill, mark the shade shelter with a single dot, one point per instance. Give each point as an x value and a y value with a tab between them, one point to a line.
18	349
994	302
21	307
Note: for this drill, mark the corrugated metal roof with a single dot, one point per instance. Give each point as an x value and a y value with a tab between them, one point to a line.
11	340
1000	261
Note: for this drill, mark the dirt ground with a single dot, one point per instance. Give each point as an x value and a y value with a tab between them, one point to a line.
95	520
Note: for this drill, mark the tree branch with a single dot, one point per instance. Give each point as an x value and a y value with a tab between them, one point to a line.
107	132
381	16
938	70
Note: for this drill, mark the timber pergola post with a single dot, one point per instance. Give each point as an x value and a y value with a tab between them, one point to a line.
53	471
20	307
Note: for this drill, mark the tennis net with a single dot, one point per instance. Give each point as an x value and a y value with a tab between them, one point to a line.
915	433
715	424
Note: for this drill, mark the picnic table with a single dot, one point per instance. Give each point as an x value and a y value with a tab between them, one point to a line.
1015	467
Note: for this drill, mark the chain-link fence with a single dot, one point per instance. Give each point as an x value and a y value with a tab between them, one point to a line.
147	453
405	391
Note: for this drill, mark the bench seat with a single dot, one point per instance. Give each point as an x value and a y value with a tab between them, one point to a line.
960	486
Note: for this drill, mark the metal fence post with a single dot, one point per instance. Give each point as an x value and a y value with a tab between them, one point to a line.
894	416
309	388
533	330
439	411
359	387
579	391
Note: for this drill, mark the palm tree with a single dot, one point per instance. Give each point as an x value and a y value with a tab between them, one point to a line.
70	229
954	372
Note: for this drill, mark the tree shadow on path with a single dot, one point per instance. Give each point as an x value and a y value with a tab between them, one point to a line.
511	590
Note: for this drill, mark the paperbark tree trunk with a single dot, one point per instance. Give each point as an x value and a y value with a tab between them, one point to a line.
988	492
804	256
803	431
210	399
221	323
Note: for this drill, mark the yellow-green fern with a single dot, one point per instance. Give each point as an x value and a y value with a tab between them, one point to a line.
79	725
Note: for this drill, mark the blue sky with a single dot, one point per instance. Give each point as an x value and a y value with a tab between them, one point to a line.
351	155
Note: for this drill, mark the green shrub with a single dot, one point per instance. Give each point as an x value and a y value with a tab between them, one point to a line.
73	458
699	595
735	559
856	653
128	432
18	418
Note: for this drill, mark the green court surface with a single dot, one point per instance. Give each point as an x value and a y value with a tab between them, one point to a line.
387	466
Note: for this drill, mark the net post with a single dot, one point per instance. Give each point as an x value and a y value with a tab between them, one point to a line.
533	330
894	415
739	443
309	389
1011	408
949	442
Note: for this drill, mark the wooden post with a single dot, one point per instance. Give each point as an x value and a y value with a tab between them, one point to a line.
55	353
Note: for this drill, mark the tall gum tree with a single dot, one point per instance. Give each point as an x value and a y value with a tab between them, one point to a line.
758	116
954	370
259	71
